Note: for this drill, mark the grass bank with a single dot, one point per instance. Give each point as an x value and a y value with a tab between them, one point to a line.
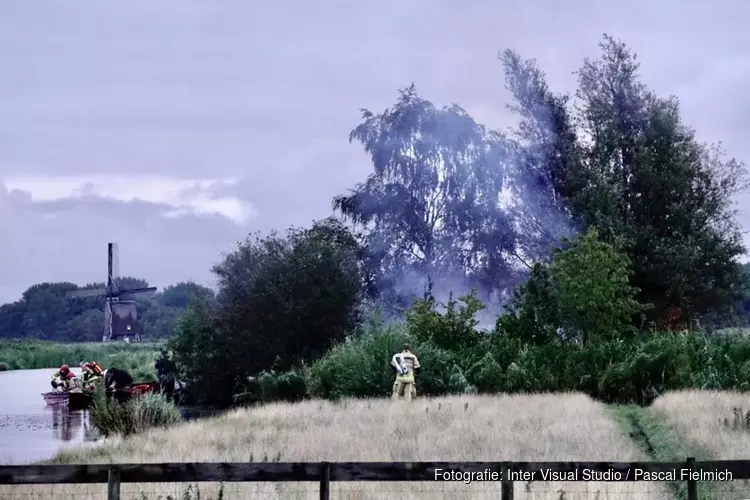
137	415
461	428
138	359
707	425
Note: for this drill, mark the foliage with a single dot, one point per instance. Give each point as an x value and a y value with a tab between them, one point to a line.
454	204
282	301
430	206
547	169
631	370
271	386
138	359
138	414
454	329
43	313
361	367
621	161
583	291
290	297
653	185
202	357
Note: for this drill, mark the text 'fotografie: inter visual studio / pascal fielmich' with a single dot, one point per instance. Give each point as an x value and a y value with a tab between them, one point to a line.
585	475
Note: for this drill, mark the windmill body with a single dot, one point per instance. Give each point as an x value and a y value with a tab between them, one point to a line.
120	311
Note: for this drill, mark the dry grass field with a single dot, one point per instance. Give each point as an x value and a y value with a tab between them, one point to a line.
709	425
706	420
562	427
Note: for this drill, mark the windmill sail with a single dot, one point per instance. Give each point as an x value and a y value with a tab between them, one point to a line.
107	320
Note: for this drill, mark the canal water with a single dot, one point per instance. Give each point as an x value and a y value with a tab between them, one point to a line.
30	430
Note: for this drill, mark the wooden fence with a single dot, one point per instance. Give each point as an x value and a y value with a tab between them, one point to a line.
324	473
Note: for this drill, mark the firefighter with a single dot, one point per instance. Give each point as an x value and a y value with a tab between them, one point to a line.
91	374
60	376
405	363
72	383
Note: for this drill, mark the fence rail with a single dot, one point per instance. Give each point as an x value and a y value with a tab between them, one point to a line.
324	473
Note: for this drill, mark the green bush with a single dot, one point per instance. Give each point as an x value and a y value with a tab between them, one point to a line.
455	328
583	291
360	367
136	415
271	386
631	370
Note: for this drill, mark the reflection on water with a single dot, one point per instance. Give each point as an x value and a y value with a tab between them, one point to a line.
31	430
70	425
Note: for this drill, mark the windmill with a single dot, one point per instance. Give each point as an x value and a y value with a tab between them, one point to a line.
120	313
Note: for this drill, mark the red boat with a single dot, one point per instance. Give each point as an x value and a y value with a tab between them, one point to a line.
83	400
136	390
55	397
74	400
143	388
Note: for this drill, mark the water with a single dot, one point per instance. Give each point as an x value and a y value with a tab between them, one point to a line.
30	430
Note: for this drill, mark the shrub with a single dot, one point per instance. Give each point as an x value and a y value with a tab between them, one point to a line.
293	296
488	375
453	329
583	293
204	362
358	368
630	370
136	415
271	386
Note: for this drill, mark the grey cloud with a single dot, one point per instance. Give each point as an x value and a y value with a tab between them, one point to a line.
66	240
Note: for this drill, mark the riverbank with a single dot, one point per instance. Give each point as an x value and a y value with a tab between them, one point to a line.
708	425
460	428
138	359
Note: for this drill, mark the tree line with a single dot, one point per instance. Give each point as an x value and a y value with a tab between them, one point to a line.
600	217
44	313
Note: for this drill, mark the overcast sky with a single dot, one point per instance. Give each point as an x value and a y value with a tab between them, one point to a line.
178	127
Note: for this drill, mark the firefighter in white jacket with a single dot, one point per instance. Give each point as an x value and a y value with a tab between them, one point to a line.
405	363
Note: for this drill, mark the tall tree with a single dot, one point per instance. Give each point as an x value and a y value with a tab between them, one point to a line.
546	158
45	310
652	186
181	294
292	297
431	207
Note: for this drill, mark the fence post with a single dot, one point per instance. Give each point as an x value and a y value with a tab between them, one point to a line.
325	481
506	486
113	484
692	485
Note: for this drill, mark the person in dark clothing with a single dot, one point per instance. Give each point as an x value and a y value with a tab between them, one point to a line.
116	380
115	383
166	372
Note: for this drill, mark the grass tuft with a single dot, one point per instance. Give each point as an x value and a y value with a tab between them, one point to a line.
135	416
